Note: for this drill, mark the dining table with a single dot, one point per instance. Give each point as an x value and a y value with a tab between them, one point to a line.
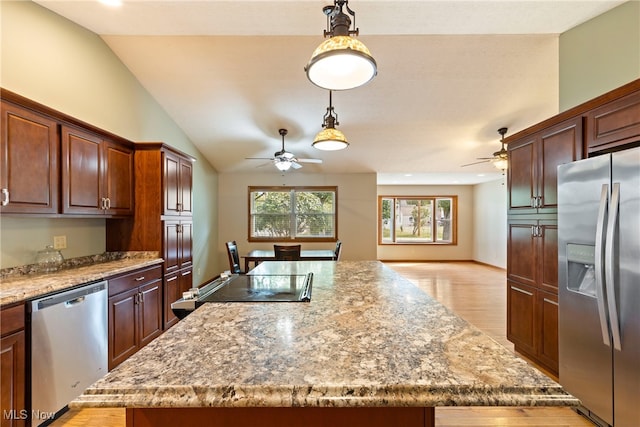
257	256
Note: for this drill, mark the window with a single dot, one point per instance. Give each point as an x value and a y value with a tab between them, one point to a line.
293	213
417	220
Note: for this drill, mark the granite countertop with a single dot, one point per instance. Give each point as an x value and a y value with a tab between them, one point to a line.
368	337
17	287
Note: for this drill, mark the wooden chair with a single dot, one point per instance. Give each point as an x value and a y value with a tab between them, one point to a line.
336	256
234	258
287	253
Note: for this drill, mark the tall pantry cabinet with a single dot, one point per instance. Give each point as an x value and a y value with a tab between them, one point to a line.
607	123
163	217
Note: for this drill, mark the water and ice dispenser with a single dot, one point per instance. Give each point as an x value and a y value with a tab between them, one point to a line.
581	269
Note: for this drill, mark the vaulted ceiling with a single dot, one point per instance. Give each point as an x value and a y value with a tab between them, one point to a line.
450	74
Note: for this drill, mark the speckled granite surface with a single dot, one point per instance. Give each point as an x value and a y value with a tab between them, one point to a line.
17	286
368	338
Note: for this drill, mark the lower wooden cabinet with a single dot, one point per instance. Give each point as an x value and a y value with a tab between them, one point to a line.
13	367
135	312
174	285
532	323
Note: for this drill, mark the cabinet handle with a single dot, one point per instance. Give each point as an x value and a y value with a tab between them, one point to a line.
533	202
533	231
171	279
186	273
102	203
539	202
108	203
138	279
178	228
549	301
179	207
141	297
5	197
522	291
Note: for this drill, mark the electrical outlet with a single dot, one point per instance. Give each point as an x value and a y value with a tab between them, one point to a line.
60	242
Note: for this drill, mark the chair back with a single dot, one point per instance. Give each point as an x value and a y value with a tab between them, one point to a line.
287	253
234	258
336	253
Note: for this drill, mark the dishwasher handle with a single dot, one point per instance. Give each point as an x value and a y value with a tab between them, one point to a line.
69	298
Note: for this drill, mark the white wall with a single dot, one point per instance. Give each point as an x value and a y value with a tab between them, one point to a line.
490	223
357	210
59	64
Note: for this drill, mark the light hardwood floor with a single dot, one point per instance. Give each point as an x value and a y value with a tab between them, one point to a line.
476	293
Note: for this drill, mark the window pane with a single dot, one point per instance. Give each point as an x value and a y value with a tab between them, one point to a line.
314	214
443	214
414	222
387	220
270	214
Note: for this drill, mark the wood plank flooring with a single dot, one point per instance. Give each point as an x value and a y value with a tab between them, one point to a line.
476	293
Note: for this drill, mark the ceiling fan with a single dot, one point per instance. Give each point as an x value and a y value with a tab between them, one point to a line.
499	159
283	160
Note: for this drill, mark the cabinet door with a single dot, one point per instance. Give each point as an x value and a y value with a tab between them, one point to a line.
614	124
150	312
172	245
82	169
186	187
185	231
118	179
547	320
123	326
547	256
12	379
521	316
558	145
175	284
29	167
522	176
171	174
521	251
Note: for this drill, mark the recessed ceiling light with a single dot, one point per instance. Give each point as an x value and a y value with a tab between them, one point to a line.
408	174
112	3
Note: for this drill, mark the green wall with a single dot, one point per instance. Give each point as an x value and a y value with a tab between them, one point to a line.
59	64
600	55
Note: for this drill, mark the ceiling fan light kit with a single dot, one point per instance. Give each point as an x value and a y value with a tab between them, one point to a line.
500	159
340	62
284	160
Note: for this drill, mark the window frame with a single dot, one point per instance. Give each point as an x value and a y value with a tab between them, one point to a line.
433	198
296	189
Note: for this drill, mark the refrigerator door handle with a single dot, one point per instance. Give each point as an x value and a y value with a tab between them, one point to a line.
609	283
599	254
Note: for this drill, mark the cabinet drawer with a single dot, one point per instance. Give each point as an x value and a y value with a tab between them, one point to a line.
134	279
11	319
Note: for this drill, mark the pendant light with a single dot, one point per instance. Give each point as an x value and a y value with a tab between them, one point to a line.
340	62
330	138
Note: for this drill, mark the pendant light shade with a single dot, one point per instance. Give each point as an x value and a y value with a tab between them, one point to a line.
340	62
330	138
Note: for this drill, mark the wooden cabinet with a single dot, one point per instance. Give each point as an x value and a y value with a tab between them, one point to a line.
13	367
614	124
97	175
162	221
178	183
521	308
135	312
53	164
29	156
533	162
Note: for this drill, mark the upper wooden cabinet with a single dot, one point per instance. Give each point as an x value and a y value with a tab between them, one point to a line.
615	124
29	177
97	175
178	180
54	164
533	162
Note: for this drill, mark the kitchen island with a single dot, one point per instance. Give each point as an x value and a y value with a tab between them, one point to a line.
370	348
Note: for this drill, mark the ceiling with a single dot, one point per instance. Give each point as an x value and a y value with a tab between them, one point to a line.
450	74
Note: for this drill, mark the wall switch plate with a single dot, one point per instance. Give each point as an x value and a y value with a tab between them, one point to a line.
60	242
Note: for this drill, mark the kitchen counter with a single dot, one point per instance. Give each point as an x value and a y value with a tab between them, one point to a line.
368	338
16	288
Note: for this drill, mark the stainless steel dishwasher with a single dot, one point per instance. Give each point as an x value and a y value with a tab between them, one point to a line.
69	347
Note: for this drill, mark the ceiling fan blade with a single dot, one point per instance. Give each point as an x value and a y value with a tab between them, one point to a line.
476	163
295	165
309	160
259	158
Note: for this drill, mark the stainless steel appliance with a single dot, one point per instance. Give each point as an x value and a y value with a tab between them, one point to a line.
247	288
69	347
599	277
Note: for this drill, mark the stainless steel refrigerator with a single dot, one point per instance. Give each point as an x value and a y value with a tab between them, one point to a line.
599	285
